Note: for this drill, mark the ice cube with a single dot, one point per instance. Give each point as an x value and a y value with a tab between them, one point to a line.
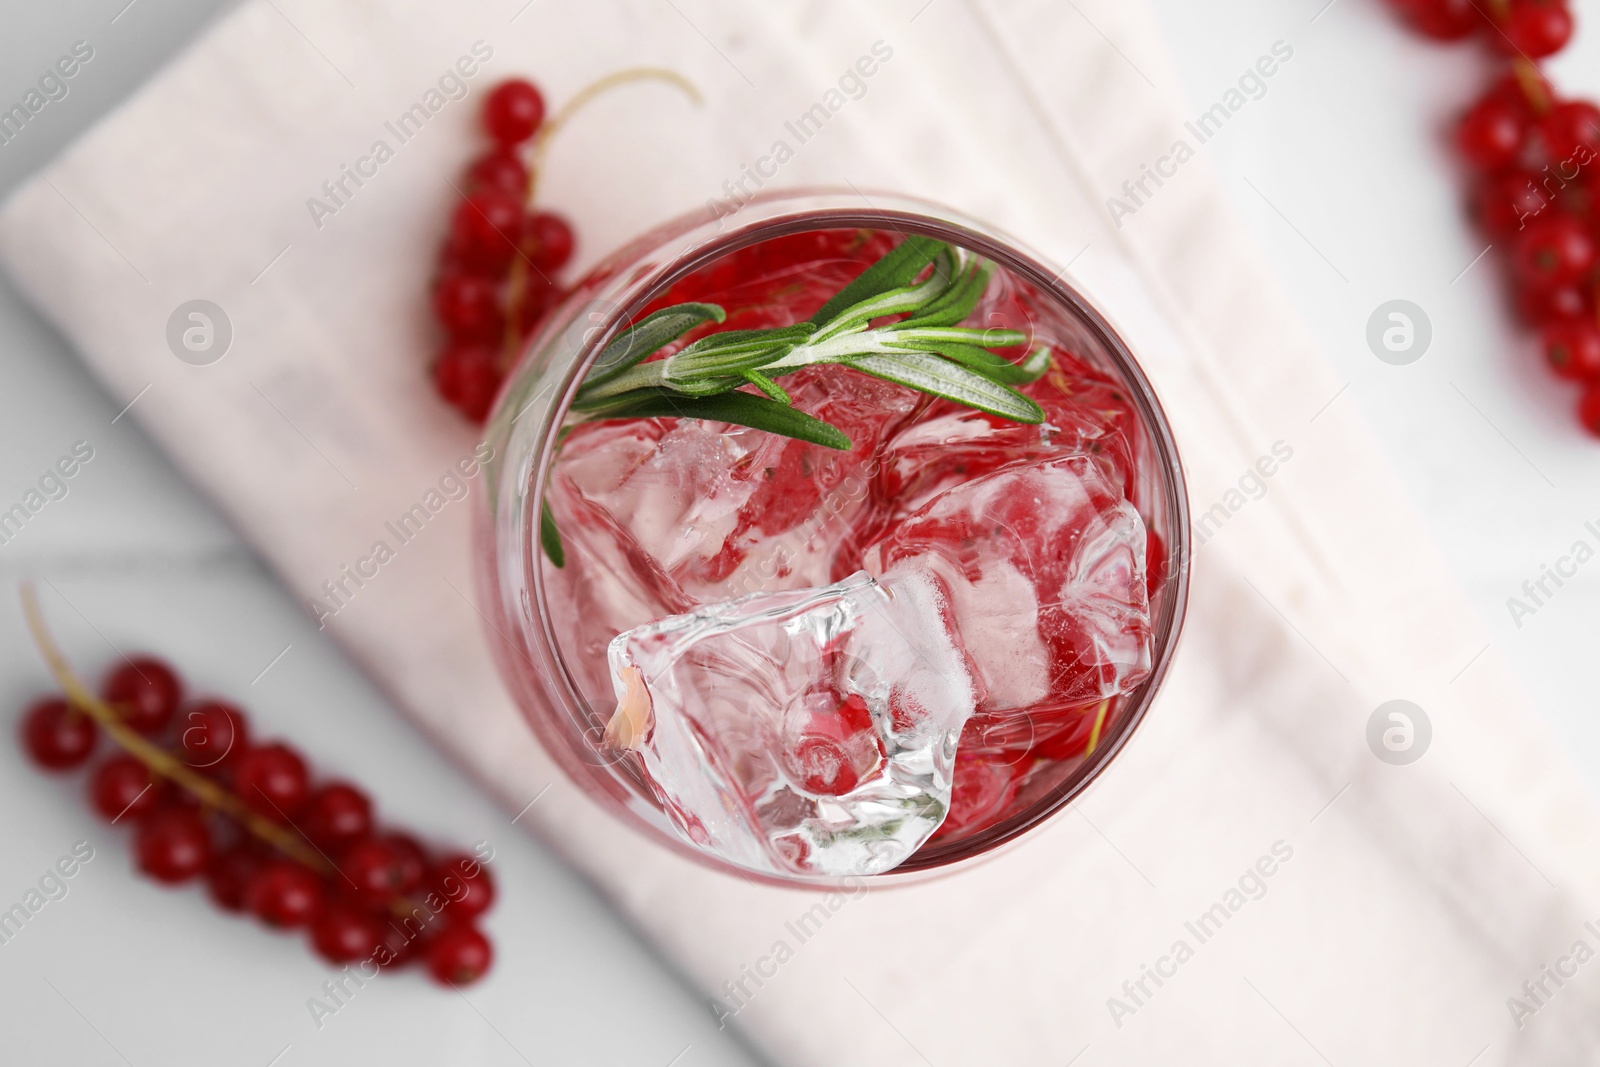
609	581
1044	567
796	527
669	484
808	731
1085	413
727	510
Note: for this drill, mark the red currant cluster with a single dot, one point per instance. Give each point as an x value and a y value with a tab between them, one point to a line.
497	266
1536	189
208	799
1529	28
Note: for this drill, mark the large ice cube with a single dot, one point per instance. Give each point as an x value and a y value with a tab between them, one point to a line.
610	581
796	525
671	485
727	510
807	731
1044	564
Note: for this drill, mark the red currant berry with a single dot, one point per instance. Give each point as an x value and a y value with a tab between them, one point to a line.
378	870
486	227
823	767
539	295
468	377
212	733
398	946
500	171
1443	20
466	884
1589	409
1528	92
547	241
513	111
1573	349
343	934
1552	251
230	873
1534	28
1542	307
122	786
459	955
1491	133
172	844
272	780
1506	203
337	815
835	744
413	859
146	691
56	735
453	258
1571	133
468	305
284	894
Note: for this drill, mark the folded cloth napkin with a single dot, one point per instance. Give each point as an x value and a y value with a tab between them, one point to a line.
1248	884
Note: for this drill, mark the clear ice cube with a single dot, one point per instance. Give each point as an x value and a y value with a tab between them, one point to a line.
1084	414
806	731
722	511
1044	566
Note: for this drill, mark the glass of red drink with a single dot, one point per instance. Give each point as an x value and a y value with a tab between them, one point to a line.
889	627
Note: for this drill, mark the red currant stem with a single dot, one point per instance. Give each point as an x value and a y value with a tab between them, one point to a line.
626	76
1099	723
515	290
157	759
1499	10
1532	85
541	145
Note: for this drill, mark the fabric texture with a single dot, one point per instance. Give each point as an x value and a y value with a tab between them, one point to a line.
1406	904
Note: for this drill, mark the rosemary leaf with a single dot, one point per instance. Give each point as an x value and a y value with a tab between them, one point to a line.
732	352
991	337
1037	363
550	537
928	373
648	336
956	302
895	270
768	386
984	362
905	300
741	409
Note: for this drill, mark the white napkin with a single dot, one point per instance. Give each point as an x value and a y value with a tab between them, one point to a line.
1406	905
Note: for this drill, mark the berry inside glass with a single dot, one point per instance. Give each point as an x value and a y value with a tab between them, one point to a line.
854	547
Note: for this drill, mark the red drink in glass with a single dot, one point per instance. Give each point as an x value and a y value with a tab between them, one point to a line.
890	652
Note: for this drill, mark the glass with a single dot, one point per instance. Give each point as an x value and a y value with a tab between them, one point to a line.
536	647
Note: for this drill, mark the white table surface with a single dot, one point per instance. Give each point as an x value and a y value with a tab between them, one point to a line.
1342	175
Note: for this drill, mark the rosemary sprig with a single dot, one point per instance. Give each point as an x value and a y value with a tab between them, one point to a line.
923	287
